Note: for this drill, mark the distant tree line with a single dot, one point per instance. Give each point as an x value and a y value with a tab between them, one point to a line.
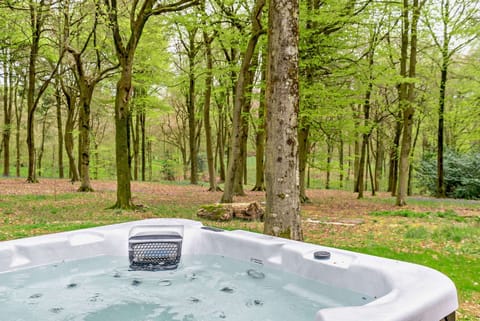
382	85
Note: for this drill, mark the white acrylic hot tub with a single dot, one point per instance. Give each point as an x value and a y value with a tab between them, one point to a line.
402	291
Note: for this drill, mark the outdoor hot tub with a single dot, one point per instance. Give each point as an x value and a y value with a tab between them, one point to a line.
172	269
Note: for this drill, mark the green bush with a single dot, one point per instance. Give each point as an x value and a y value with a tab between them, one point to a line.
461	174
168	169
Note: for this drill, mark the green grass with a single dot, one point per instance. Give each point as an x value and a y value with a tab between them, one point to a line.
448	214
26	230
432	203
418	233
463	272
455	233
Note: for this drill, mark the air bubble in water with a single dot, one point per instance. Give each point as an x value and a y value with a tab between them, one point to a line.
254	274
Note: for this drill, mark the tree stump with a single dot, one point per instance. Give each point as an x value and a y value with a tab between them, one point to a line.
228	211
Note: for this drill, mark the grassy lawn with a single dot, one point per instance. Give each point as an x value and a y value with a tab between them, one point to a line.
444	235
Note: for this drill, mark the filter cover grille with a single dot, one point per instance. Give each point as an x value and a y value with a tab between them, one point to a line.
155	252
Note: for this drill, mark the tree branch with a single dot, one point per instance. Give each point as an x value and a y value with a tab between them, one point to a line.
113	19
176	6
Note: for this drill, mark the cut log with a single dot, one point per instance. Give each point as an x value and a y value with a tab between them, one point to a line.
215	212
225	212
248	211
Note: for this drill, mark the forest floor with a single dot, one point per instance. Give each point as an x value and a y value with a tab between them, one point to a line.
443	234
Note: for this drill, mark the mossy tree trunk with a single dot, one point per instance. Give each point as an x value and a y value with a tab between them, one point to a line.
122	114
282	217
241	175
71	105
84	125
125	48
86	80
303	152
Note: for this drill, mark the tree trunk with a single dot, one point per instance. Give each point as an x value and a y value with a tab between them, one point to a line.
85	131
393	168
69	147
37	19
221	142
143	145
79	146
136	124
329	162
349	162
282	217
96	159
18	121
366	117
42	144
125	54
247	104
341	156
7	111
31	103
69	128
136	145
404	155
149	160
379	160
412	152
122	114
309	169
369	164
441	127
260	139
359	182
356	151
191	110
408	109
58	100
206	114
235	156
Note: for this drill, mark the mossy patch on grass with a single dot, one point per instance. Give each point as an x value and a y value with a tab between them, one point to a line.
448	214
418	233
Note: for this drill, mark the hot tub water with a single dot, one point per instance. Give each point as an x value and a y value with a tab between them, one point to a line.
203	288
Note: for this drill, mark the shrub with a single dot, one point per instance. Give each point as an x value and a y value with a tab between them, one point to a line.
168	169
461	174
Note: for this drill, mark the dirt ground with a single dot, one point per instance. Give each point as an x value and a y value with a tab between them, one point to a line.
330	203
